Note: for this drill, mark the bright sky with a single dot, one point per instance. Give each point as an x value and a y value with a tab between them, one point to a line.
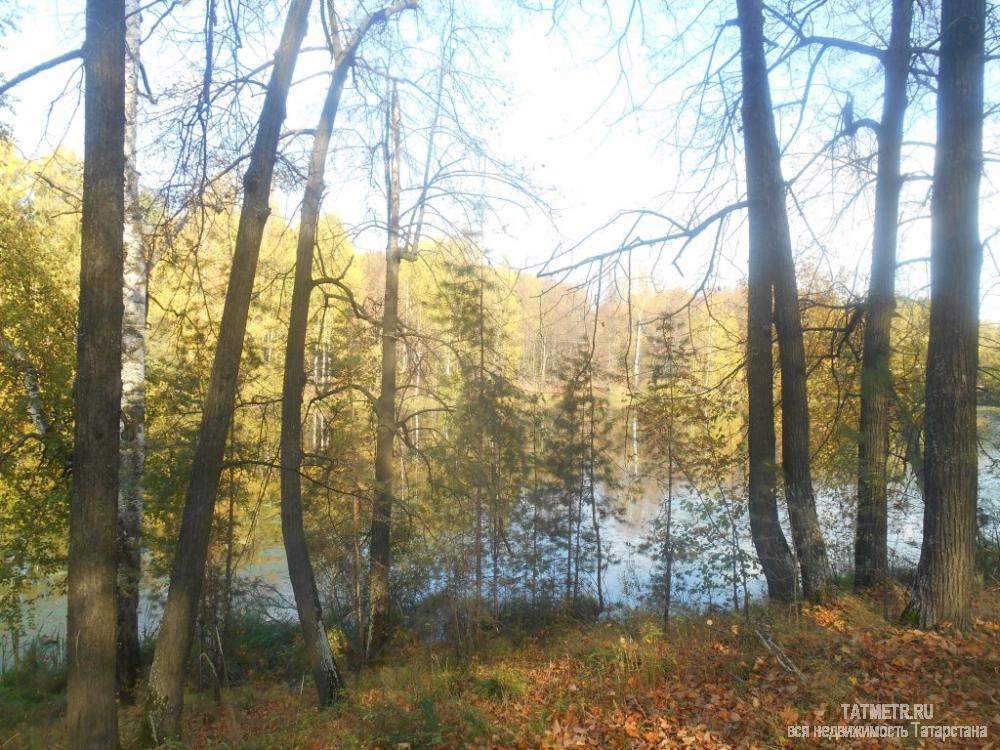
561	120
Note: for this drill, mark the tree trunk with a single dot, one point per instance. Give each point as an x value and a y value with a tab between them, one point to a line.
325	672
380	550
166	681
481	434
91	709
592	491
769	231
359	598
765	527
535	502
592	445
226	638
635	412
494	535
668	542
32	387
569	548
871	559
942	592
133	407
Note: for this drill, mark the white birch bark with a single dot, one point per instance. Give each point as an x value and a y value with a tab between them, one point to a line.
133	404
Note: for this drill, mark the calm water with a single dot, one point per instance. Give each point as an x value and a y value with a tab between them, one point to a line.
700	578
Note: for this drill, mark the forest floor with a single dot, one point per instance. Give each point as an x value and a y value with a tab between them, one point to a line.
713	681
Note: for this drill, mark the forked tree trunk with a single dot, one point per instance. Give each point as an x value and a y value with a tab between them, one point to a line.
769	229
942	592
91	709
133	408
871	559
765	527
165	697
385	408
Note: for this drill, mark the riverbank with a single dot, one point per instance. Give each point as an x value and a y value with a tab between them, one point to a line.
708	682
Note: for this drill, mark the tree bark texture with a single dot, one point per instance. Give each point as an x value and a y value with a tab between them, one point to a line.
166	682
871	558
943	588
325	671
91	709
380	549
133	407
765	527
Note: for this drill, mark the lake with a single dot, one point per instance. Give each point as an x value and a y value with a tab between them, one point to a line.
700	579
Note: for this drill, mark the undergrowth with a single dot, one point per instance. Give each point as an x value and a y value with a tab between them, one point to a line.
725	680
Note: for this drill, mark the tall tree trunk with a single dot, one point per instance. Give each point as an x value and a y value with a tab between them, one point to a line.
668	542
325	672
359	598
535	502
769	231
380	549
226	637
577	550
495	529
91	709
133	407
165	697
765	527
481	433
592	445
871	560
592	491
635	412
569	548
942	591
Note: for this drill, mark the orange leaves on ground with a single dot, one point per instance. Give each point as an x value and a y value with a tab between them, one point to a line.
604	686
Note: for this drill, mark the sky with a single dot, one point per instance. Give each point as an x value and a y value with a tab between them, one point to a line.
561	119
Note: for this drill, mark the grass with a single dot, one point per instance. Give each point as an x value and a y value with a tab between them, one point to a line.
714	681
32	700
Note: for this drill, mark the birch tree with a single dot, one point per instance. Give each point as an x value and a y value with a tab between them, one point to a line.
133	407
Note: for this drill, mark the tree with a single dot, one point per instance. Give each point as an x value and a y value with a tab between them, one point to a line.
165	697
482	454
581	473
325	671
768	537
871	545
300	571
133	408
660	418
771	247
91	709
942	591
380	551
39	276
